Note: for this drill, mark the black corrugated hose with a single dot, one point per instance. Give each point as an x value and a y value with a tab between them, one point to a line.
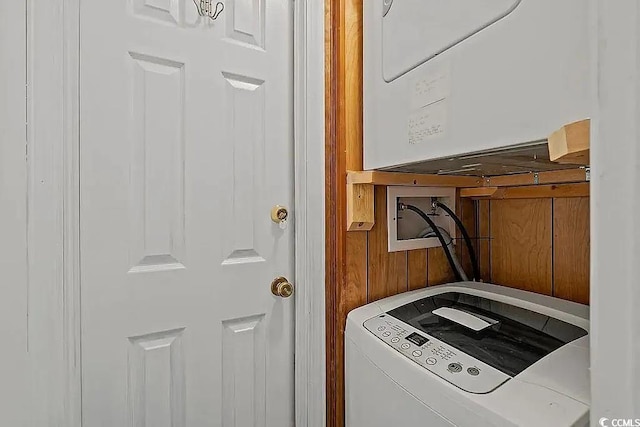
438	234
467	239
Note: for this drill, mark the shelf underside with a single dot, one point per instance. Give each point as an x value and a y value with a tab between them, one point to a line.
526	158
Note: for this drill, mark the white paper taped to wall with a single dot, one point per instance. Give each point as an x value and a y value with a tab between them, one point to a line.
429	105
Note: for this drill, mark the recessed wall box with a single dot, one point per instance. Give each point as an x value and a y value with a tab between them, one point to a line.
405	227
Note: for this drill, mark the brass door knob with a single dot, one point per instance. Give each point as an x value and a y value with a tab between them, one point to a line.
279	214
281	287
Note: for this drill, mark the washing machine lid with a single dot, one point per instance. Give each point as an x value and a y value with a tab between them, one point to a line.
504	336
414	31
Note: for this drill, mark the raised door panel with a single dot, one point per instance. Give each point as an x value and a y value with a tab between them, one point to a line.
246	22
244	372
169	11
157	166
156	390
244	179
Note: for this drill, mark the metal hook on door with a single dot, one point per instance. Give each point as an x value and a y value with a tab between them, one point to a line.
206	8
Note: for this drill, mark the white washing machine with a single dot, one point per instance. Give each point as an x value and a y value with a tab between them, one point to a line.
448	77
468	354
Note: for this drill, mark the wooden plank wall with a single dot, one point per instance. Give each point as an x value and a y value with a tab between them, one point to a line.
538	244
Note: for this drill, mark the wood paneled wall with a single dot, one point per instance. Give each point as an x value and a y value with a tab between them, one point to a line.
537	244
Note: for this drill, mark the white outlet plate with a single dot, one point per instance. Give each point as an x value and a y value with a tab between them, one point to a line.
401	226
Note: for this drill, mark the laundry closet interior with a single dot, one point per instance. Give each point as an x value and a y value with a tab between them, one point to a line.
523	197
313	213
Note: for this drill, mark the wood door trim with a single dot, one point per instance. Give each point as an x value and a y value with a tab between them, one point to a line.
334	255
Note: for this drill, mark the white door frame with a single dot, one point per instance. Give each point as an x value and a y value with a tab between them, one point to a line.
615	203
53	219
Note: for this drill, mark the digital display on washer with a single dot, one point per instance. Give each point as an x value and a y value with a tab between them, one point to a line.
514	339
417	339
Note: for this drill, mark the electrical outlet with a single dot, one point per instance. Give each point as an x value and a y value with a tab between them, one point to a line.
406	227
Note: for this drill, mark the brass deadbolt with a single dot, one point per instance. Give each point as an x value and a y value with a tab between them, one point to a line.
281	287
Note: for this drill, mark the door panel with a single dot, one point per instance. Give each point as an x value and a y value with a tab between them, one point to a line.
157	163
186	144
244	371
244	97
246	21
156	384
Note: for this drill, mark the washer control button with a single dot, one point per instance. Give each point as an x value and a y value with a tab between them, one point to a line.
455	367
417	353
431	361
386	334
473	371
405	346
395	340
381	328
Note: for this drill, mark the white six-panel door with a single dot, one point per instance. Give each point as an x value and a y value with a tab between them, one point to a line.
185	145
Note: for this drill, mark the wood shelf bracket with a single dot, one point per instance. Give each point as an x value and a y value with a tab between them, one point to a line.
570	143
360	207
361	191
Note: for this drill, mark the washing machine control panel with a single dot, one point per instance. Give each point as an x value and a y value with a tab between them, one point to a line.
441	359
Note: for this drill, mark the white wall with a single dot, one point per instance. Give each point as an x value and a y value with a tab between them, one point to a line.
13	216
615	212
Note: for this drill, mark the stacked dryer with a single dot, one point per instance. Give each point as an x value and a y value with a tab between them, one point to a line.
447	77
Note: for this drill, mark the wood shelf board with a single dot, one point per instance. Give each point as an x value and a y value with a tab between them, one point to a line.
411	179
551	177
478	192
361	186
423	180
528	192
